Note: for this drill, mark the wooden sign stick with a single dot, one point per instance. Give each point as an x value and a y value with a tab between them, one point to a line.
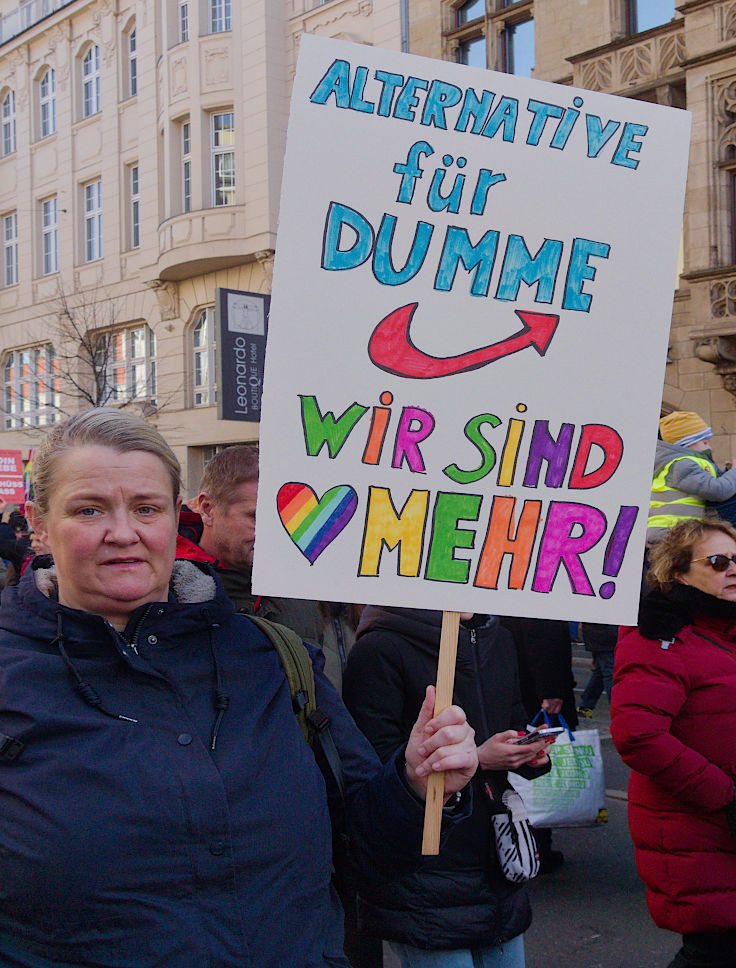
443	699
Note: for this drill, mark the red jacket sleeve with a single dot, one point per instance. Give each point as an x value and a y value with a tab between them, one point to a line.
651	686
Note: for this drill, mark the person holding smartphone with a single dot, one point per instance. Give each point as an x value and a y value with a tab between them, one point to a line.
458	910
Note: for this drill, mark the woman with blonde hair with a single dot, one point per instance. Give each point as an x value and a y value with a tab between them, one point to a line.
673	720
159	805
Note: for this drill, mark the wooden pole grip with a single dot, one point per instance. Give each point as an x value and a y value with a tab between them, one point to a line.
443	699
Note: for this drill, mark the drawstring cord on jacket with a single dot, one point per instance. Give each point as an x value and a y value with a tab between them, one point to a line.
87	692
221	698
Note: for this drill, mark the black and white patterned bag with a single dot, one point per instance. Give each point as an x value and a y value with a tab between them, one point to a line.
515	845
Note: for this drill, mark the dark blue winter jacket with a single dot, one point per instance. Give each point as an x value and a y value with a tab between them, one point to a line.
126	841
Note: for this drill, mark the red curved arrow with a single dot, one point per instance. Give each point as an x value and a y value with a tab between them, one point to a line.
390	346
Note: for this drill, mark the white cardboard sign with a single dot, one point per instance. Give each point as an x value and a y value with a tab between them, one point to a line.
468	330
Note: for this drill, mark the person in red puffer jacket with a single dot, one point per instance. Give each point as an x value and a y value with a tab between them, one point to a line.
673	720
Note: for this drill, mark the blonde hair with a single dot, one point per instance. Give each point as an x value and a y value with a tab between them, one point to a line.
226	470
106	427
671	555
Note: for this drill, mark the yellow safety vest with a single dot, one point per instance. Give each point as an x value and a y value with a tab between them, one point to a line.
669	505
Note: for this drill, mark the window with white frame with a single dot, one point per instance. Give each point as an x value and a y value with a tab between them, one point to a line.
186	166
10	249
132	46
204	360
92	195
135	206
183	21
220	16
223	158
31	387
91	82
49	235
47	103
8	123
126	360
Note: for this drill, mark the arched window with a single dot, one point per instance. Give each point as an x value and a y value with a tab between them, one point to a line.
132	63
204	360
8	123
91	82
47	103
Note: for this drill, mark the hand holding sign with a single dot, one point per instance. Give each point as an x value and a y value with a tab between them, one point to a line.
440	743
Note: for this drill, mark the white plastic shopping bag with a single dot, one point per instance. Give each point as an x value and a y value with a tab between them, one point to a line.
572	794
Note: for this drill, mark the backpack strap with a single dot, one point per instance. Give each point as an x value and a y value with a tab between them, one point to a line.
297	665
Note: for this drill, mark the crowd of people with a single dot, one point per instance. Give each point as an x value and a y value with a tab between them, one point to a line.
165	801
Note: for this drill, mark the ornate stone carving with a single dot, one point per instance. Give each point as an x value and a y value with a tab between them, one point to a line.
728	380
728	21
217	67
178	76
265	259
720	352
723	298
633	63
361	8
671	52
598	74
167	294
724	99
637	63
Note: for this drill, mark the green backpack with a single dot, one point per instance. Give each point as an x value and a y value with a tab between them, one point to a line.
315	725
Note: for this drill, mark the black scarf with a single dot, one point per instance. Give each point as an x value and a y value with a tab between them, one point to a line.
663	614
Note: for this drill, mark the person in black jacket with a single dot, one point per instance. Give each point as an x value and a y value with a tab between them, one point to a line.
458	909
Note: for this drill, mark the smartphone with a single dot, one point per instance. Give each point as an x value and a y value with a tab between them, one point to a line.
538	734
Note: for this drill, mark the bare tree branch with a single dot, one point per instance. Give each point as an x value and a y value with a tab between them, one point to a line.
92	339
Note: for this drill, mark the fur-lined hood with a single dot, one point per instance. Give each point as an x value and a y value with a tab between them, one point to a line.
188	584
31	609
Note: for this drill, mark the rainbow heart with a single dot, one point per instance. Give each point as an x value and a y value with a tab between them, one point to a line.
313	524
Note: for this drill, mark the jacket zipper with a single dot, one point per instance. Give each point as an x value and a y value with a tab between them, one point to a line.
713	642
133	642
479	691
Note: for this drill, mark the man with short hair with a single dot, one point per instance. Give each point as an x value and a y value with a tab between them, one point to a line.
227	505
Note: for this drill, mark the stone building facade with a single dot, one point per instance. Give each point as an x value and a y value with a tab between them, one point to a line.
141	144
680	54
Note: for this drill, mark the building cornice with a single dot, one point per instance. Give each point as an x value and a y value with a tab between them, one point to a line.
710	56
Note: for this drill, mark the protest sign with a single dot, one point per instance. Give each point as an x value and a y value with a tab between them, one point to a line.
12	490
468	331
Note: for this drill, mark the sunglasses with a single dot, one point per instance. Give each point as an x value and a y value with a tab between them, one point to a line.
718	562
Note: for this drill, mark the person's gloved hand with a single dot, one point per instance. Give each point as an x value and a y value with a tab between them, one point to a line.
731	813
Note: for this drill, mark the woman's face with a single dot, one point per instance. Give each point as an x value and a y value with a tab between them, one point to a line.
111	527
702	575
